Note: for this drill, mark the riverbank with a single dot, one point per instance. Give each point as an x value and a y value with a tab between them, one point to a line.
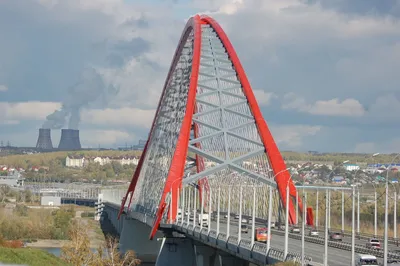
29	256
96	236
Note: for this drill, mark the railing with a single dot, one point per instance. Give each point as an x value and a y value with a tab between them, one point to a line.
341	245
257	253
364	236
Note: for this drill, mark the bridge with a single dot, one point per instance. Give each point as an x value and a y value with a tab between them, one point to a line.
211	176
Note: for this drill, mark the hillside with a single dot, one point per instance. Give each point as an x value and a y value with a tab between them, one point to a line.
29	256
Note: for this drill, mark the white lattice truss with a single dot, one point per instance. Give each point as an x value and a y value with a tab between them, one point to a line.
227	141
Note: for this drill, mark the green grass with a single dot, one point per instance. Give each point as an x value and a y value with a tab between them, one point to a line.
29	256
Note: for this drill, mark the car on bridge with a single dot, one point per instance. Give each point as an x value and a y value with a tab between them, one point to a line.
365	259
313	232
373	243
295	230
261	234
336	236
244	229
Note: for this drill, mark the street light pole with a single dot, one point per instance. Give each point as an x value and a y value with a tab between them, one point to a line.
375	214
303	227
218	209
385	238
253	220
326	230
286	223
386	248
209	210
297	207
395	216
228	223
269	217
342	211
329	210
240	214
358	212
317	211
352	229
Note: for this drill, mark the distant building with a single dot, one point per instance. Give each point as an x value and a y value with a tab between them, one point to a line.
13	180
80	161
75	161
351	167
102	160
140	145
339	180
50	201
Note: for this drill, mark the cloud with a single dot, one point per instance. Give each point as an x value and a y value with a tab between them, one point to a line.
339	57
386	146
26	110
9	122
129	117
3	88
292	136
333	107
262	97
94	138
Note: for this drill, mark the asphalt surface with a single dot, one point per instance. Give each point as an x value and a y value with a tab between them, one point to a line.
336	257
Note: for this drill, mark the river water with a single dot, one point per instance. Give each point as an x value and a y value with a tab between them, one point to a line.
57	251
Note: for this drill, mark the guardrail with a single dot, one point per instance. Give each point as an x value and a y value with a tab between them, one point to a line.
364	236
340	245
257	253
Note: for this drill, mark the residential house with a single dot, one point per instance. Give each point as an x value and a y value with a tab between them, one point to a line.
75	161
351	167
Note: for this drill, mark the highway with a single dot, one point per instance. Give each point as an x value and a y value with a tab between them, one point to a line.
336	257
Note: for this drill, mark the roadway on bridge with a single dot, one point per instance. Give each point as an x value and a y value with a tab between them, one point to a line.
336	257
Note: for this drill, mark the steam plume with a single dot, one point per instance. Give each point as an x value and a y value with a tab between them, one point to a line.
90	88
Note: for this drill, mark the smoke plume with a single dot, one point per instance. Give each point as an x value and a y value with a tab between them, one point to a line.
89	89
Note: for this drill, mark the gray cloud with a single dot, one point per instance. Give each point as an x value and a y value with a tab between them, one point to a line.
89	89
317	51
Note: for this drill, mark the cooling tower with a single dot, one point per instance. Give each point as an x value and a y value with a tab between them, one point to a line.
44	139
69	140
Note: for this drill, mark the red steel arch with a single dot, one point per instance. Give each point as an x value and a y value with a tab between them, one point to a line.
174	178
175	175
278	165
193	23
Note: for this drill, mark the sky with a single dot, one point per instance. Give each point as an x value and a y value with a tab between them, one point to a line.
325	72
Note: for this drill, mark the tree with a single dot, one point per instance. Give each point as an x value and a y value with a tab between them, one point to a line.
108	255
77	252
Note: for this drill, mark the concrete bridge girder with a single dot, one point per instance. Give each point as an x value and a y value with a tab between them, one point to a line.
134	235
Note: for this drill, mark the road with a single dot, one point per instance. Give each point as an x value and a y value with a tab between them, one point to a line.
336	257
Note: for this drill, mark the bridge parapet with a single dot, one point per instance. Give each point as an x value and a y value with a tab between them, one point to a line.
114	195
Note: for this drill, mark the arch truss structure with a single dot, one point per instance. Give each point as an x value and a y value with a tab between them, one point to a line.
208	129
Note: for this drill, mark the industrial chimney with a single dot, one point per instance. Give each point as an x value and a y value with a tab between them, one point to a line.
44	139
69	140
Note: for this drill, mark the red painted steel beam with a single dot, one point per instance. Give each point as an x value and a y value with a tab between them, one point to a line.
277	163
176	171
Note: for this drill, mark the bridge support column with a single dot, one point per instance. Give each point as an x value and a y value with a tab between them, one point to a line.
229	260
176	251
135	236
206	255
